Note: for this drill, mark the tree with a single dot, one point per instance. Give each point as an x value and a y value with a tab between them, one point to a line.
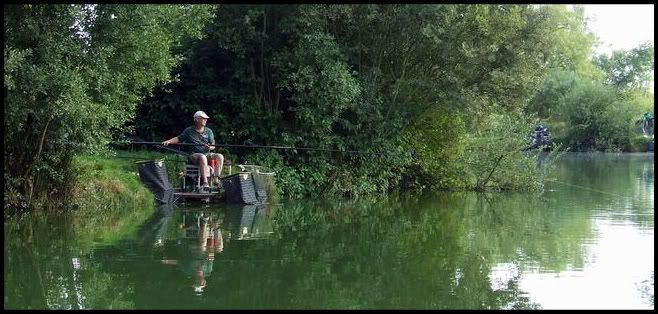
358	77
75	74
631	69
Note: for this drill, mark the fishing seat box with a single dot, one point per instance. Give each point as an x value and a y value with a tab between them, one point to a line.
243	188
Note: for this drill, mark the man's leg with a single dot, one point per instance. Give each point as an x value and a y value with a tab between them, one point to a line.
204	171
201	161
220	162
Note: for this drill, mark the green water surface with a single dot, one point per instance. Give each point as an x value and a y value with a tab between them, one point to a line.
586	241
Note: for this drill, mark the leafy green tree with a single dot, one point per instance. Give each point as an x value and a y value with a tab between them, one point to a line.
568	60
572	43
356	77
596	118
630	69
439	143
75	74
584	114
593	114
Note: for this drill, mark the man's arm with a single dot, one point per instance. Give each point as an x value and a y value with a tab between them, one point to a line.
211	140
173	140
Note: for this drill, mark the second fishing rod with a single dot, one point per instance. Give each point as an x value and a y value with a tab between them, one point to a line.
245	146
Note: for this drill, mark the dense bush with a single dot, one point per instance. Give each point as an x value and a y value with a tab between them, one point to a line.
404	83
425	92
591	115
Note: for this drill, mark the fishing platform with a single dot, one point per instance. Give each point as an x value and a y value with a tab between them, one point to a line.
249	185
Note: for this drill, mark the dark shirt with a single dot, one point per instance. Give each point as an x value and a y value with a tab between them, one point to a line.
190	135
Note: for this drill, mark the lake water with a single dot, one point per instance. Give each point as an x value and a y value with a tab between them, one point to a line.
585	242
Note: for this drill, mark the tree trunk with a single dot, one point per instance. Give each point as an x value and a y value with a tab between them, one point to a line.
481	185
29	176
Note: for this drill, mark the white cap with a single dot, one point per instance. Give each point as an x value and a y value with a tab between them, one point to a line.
201	114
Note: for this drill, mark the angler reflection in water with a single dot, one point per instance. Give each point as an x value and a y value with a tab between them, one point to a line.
200	239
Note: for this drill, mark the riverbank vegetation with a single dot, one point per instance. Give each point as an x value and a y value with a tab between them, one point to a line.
436	96
599	110
99	184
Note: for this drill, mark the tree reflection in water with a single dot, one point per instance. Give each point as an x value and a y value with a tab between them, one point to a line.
439	251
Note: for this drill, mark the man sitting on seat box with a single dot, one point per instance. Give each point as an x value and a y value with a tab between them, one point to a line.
204	139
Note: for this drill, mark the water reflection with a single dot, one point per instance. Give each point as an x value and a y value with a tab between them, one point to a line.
196	239
617	269
584	243
248	222
154	229
199	240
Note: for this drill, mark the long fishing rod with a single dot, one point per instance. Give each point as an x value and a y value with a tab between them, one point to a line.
174	150
142	159
252	146
589	189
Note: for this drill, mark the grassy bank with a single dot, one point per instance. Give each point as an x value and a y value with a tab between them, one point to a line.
104	183
107	203
109	198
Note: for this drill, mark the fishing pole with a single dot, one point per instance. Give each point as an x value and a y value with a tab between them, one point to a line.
590	189
135	158
174	150
252	146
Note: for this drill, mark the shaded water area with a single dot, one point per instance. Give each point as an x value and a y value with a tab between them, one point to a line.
586	241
